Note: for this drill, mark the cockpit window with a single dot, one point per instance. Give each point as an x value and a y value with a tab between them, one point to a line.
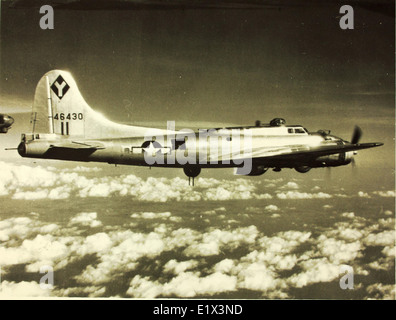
299	130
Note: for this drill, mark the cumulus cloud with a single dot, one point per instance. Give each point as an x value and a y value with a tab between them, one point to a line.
384	238
350	215
22	289
143	287
90	291
314	271
151	215
271	207
35	183
256	276
224	266
83	169
389	193
186	284
363	194
190	284
31	195
125	248
88	219
302	195
290	185
190	261
175	267
211	243
339	251
381	291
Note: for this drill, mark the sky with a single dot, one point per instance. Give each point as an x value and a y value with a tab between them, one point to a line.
138	233
213	66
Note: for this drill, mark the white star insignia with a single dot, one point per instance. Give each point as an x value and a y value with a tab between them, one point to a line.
151	149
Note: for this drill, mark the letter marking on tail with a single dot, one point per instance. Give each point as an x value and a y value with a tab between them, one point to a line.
60	87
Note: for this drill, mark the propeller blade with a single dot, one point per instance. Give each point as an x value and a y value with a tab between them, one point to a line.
357	134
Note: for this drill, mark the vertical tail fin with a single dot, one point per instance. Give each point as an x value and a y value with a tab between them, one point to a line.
59	108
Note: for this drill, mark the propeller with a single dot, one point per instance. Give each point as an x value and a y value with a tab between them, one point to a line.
357	134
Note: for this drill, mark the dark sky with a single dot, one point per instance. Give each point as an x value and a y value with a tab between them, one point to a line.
214	65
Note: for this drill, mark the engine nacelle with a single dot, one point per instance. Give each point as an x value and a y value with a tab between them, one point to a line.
334	160
255	171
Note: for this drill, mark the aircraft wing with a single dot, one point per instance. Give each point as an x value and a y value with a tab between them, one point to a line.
75	145
294	152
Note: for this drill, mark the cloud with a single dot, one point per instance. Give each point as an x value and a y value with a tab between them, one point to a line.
388	223
385	238
62	192
90	291
121	253
88	219
350	215
382	264
256	276
83	169
190	261
381	291
271	207
142	287
151	215
339	251
290	185
363	194
211	243
22	290
39	251
314	271
16	228
390	193
186	284
31	195
96	243
224	266
302	195
175	267
34	183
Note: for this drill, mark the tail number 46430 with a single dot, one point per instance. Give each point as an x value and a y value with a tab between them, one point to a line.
69	116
